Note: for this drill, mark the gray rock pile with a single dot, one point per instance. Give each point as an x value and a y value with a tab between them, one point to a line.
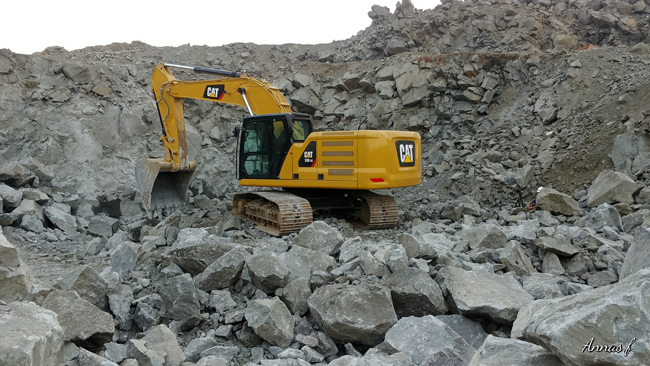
508	96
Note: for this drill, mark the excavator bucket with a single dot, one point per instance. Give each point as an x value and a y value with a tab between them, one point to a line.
160	187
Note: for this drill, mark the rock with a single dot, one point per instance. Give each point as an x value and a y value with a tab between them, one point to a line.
81	321
162	340
630	153
471	331
503	351
267	271
568	325
224	271
32	223
30	336
635	219
190	237
180	298
88	284
195	258
103	226
222	301
87	358
295	295
212	361
61	219
11	197
485	236
414	293
29	207
551	200
137	349
525	231
602	216
551	264
427	246
302	262
198	345
429	341
514	258
601	278
115	352
496	297
119	301
16	278
271	320
123	260
371	265
638	256
611	187
362	313
560	245
145	316
545	286
318	236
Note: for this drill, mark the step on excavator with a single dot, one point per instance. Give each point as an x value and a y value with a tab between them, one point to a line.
278	149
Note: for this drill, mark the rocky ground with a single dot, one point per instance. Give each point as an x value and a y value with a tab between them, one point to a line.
507	95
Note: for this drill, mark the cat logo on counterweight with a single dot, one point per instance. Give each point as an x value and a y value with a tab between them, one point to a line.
405	152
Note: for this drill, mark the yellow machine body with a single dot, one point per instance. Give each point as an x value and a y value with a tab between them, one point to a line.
330	170
357	160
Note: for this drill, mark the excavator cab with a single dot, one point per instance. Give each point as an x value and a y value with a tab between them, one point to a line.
266	139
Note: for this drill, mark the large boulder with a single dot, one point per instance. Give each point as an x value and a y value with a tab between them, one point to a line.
195	258
551	200
29	336
271	320
485	236
414	293
638	256
611	187
224	271
596	327
429	341
81	321
362	313
558	245
267	271
630	153
16	278
88	284
483	294
471	331
425	245
61	219
503	351
318	236
180	298
601	216
303	261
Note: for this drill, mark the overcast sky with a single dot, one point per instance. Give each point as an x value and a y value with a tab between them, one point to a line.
32	26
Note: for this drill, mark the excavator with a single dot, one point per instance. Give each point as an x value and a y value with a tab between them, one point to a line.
335	171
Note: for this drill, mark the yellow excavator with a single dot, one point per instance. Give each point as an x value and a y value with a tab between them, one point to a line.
329	170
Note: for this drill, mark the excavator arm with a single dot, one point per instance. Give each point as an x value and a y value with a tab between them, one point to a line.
163	183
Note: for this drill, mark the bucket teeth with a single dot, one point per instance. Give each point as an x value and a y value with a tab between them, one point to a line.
161	188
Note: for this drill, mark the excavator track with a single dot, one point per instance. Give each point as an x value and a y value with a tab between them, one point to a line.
377	211
276	213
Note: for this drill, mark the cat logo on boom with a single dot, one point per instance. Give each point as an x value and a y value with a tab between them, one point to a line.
405	152
215	92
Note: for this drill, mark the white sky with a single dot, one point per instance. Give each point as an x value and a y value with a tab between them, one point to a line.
32	26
